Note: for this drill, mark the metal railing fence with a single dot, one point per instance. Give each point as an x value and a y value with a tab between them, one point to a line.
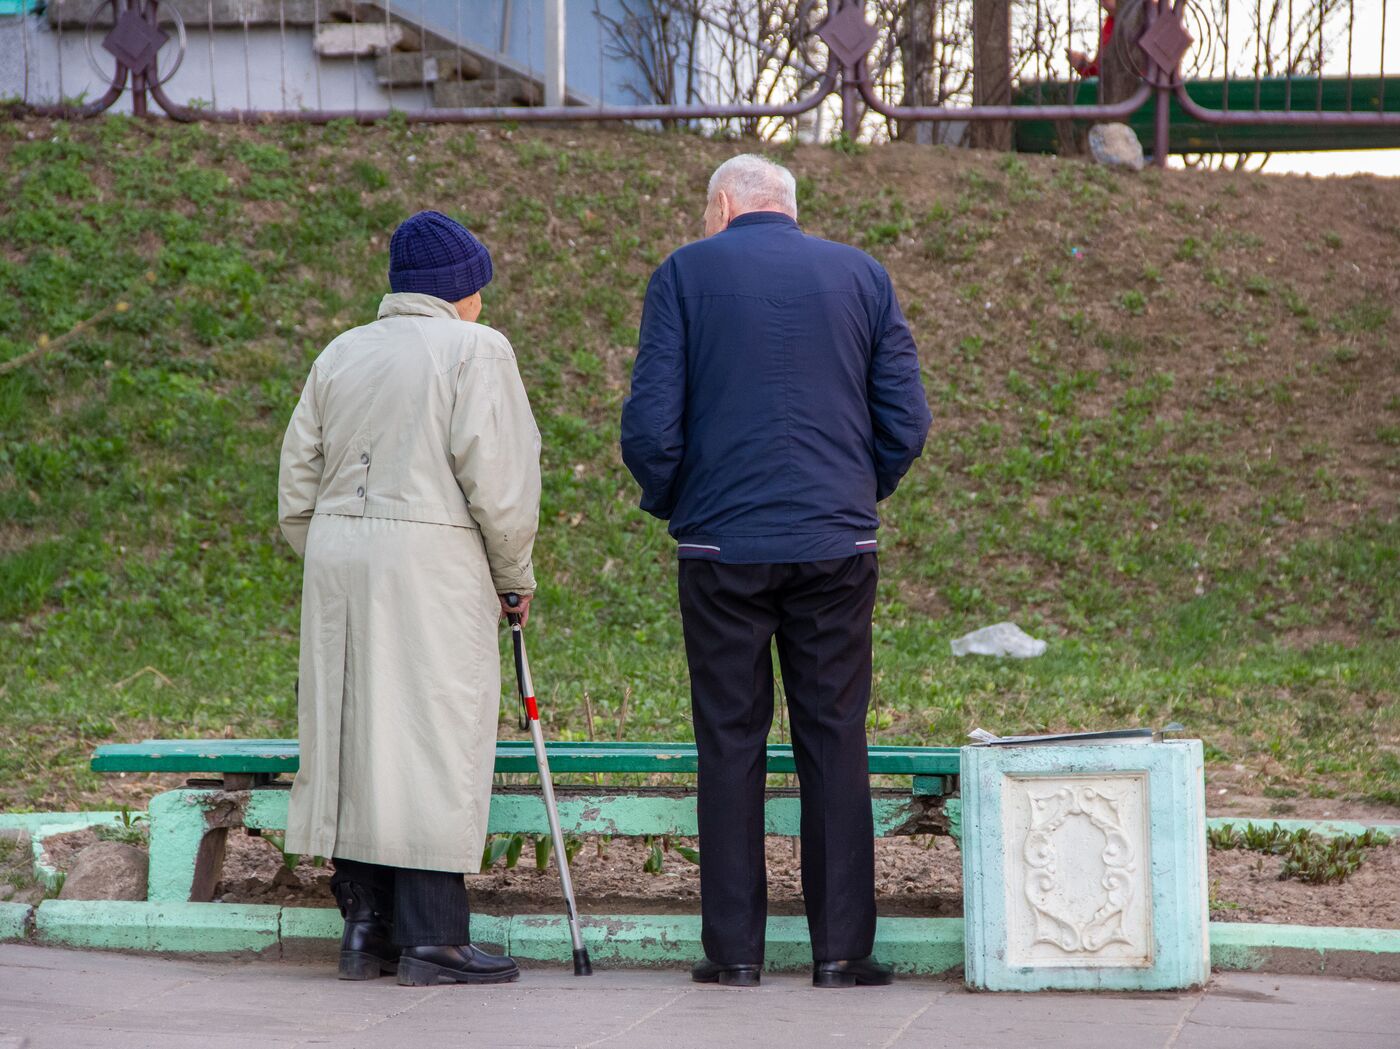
752	66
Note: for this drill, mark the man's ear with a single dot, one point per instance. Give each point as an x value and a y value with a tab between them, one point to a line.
725	207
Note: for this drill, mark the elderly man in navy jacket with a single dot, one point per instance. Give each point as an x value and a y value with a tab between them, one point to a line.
776	398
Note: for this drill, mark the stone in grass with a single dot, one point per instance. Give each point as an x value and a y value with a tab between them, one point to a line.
1115	146
107	870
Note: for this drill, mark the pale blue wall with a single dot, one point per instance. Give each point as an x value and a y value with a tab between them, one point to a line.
589	71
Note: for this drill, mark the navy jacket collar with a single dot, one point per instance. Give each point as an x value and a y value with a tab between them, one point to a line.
755	218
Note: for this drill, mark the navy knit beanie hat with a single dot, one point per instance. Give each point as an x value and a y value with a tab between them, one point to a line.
435	255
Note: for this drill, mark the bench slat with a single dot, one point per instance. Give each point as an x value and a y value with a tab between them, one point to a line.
512	755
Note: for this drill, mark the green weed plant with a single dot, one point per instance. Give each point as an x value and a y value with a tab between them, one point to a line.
1306	855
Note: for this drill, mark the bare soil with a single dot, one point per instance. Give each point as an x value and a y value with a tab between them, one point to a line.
914	877
61	850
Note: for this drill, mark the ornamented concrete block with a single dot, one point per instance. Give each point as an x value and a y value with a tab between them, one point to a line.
1084	867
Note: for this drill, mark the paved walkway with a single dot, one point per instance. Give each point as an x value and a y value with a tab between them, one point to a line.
64	999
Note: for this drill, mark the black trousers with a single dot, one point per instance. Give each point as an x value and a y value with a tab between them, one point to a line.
430	908
820	613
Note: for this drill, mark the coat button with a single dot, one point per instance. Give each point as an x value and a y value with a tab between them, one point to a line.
364	457
360	492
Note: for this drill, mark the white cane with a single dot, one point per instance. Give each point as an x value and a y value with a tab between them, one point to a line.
582	966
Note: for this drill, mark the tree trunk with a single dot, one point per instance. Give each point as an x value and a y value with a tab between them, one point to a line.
916	59
991	70
1120	61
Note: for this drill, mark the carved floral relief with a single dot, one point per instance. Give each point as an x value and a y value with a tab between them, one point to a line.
1076	853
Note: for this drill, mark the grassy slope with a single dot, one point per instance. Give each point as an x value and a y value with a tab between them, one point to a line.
1167	433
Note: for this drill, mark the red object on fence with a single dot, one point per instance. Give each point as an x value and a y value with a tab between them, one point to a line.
1090	66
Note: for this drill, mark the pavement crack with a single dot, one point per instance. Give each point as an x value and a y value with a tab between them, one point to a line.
409	1007
103	1012
1186	1015
638	1022
320	1037
907	1024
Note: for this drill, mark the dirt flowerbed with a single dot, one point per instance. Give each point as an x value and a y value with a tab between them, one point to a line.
17	884
914	877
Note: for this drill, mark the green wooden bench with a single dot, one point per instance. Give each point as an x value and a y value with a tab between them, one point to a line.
238	783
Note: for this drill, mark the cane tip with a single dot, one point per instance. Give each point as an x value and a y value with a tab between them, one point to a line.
582	966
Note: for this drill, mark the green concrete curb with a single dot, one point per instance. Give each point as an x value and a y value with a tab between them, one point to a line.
926	946
307	932
201	928
1327	828
915	946
315	931
59	822
15	919
493	932
647	940
1314	950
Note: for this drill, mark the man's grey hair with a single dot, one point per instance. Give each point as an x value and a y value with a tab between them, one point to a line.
755	183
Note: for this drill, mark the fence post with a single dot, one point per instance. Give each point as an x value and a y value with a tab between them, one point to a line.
1164	44
991	70
850	103
554	36
139	107
1161	127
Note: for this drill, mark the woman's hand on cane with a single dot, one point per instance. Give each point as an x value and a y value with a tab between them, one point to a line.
521	608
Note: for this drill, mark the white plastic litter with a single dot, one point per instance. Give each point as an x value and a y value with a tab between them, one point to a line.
1001	639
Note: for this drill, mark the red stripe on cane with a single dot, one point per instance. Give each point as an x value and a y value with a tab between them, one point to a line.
530	708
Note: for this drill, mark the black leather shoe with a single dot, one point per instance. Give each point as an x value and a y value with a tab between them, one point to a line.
366	949
865	972
426	966
706	971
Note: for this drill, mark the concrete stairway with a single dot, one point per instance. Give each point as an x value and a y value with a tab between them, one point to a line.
406	54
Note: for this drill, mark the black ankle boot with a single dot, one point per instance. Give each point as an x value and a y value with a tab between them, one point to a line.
366	948
426	966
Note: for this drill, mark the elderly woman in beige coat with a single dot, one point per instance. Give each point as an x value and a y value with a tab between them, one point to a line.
410	483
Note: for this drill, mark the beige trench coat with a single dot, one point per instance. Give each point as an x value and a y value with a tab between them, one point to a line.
410	483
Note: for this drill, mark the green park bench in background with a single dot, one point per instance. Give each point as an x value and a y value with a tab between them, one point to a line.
1362	94
239	783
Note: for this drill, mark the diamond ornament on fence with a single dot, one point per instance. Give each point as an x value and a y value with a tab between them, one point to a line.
134	41
848	36
1167	42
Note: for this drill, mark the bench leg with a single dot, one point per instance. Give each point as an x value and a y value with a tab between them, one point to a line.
208	864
